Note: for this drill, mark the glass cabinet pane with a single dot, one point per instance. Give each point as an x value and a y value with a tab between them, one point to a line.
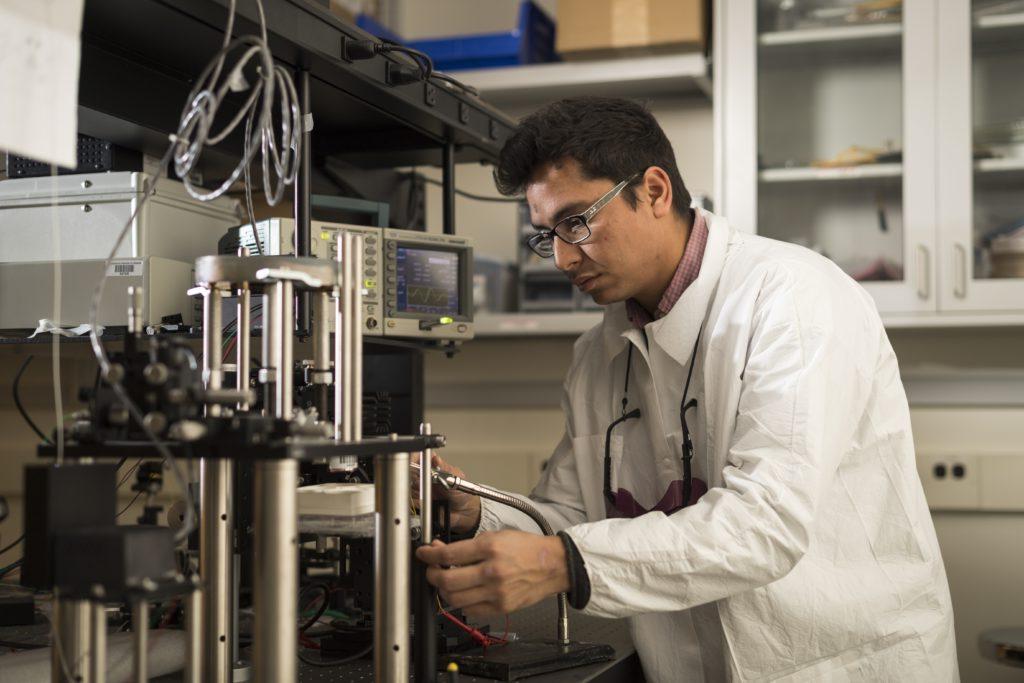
998	120
830	117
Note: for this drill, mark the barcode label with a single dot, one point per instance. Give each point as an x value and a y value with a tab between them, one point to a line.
125	268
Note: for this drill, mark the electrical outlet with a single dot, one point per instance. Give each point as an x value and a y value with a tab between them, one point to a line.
951	482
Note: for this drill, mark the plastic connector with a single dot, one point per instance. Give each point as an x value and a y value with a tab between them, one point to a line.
399	74
352	50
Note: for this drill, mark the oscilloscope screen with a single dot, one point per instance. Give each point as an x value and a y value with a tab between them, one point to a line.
428	281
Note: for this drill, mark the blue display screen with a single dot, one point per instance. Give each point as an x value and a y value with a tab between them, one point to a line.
428	281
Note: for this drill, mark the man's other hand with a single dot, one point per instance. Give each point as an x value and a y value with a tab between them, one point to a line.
497	572
465	508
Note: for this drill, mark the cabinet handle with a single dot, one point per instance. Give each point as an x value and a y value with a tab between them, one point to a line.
960	271
924	278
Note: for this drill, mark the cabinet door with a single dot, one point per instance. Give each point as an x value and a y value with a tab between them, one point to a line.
981	155
843	107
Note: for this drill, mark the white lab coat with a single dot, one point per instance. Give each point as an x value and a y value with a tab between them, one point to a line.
813	555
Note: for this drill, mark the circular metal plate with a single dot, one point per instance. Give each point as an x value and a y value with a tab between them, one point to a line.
234	270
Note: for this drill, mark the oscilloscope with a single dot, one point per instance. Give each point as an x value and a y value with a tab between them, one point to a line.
415	284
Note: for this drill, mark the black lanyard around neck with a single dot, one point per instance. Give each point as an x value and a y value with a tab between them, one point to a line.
687	446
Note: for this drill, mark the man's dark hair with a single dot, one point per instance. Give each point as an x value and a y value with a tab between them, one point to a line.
609	137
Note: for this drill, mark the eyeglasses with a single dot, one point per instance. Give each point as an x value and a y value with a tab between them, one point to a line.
576	228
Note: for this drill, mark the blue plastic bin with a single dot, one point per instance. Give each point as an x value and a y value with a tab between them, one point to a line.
532	41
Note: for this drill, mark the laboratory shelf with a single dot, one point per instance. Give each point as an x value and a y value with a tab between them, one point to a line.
680	74
993	28
1004	165
555	324
573	324
864	36
804	174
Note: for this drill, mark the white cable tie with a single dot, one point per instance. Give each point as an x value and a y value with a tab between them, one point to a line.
307	122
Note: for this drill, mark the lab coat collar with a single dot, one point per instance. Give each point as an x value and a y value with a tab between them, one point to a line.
675	333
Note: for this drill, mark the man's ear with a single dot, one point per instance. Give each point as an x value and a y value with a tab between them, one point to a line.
656	187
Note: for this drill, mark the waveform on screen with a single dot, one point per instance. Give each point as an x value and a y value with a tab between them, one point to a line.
427	296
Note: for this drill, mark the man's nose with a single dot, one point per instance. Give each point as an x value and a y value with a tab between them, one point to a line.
567	256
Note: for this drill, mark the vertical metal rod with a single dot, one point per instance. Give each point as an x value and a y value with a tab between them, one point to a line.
339	343
322	351
243	330
391	569
348	321
98	642
216	537
276	579
286	336
302	194
140	629
356	348
193	628
70	655
448	188
271	347
425	643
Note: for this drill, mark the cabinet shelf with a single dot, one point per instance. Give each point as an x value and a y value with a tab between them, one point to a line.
999	166
994	28
865	36
533	84
575	323
812	174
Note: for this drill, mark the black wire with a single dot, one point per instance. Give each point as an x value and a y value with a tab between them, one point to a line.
323	605
11	567
477	197
422	59
13	543
17	401
335	662
125	508
447	78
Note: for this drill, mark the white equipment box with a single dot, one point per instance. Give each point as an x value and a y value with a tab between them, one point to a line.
88	211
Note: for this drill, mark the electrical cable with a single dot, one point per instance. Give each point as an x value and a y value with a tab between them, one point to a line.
324	603
125	508
21	646
476	197
12	544
449	79
17	401
186	148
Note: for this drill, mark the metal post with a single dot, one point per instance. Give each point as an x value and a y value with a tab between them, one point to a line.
302	194
136	320
356	338
322	352
216	538
271	348
348	320
70	660
98	642
448	188
391	569
276	580
193	628
339	345
140	629
243	330
425	643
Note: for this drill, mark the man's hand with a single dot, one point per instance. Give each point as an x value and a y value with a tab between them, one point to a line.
497	572
465	508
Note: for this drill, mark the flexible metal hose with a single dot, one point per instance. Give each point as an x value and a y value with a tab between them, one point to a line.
453	482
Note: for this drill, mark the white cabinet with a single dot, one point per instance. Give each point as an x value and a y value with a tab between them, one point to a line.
850	132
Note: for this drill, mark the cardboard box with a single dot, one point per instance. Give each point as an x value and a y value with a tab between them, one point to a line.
602	28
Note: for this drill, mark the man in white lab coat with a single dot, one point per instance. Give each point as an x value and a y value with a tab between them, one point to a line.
737	473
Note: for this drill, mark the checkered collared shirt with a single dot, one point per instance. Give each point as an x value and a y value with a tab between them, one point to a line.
686	273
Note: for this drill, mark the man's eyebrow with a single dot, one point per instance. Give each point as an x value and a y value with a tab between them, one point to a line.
568	210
